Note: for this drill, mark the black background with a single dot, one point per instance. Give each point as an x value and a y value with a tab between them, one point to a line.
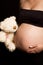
11	8
8	8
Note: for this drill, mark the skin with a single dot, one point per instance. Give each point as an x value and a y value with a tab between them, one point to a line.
29	35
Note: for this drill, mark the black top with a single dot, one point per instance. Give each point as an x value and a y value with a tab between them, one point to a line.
34	17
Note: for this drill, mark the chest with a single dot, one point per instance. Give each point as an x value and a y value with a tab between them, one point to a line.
34	6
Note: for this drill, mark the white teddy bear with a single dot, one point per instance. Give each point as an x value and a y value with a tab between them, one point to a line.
8	27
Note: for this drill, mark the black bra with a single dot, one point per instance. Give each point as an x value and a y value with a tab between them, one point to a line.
34	17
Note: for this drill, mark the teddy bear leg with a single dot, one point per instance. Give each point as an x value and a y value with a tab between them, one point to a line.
9	42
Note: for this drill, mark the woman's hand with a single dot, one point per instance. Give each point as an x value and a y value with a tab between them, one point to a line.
29	38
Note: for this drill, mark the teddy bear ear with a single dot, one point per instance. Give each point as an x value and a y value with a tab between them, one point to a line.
13	17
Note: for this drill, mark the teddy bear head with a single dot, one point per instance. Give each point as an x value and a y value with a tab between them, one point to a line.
9	24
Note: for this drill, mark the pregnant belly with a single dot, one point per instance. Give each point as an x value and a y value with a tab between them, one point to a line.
35	35
29	35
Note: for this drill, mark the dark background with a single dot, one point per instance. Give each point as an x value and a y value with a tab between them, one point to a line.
11	8
8	8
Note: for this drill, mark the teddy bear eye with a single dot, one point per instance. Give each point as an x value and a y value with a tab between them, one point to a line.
14	27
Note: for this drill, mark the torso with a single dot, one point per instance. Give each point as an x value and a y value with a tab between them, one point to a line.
34	29
34	33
